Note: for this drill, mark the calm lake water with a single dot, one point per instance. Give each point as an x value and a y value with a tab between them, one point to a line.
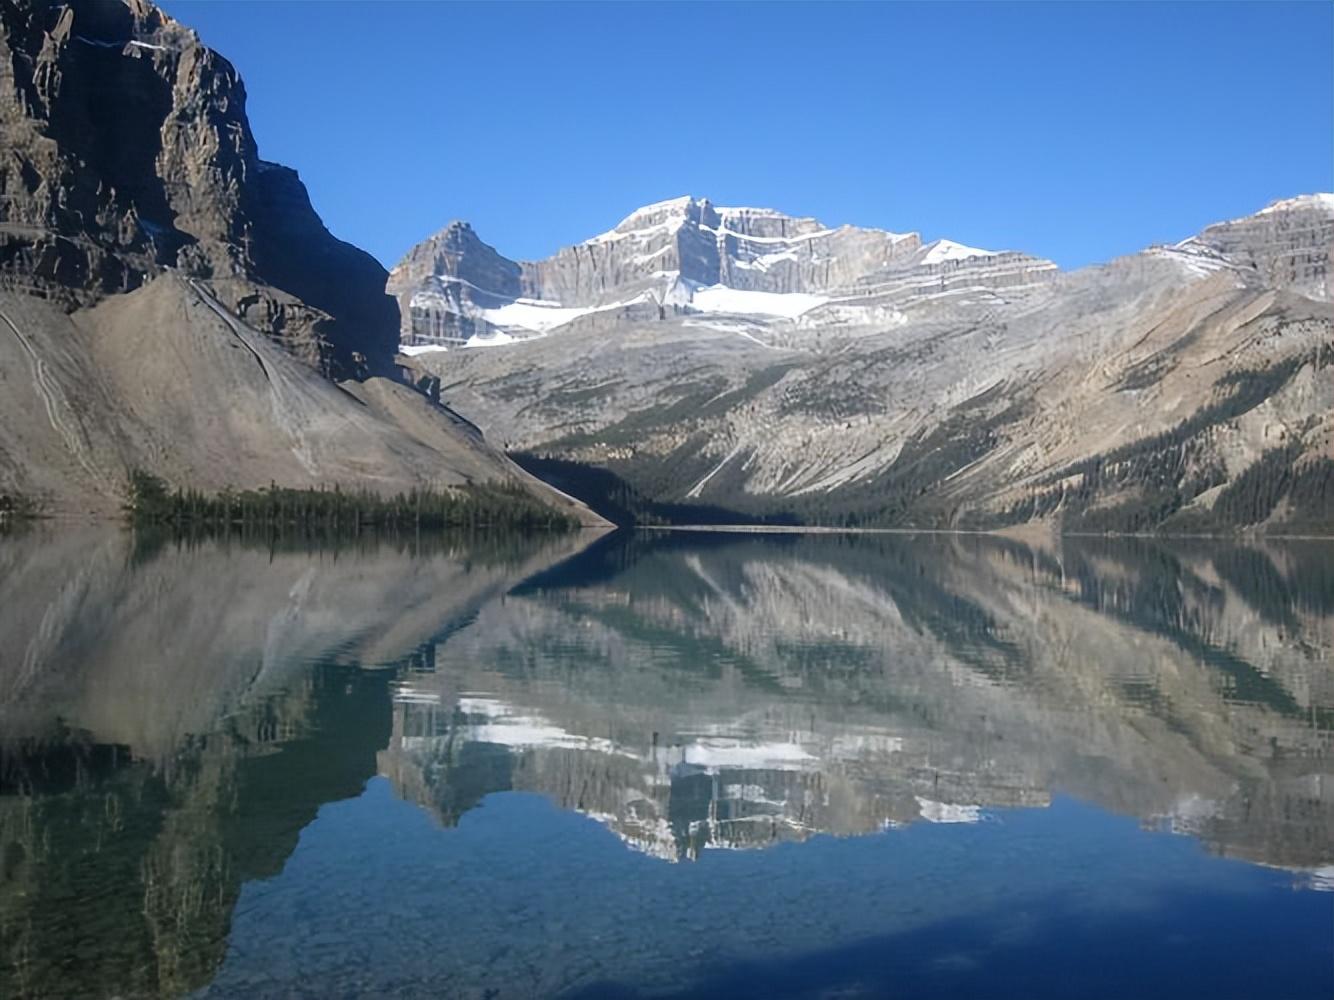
667	764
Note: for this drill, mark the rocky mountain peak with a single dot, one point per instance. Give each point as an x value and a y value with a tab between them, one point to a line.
1287	243
128	151
687	211
688	256
672	213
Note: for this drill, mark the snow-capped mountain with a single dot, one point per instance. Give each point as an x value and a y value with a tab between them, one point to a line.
689	257
770	365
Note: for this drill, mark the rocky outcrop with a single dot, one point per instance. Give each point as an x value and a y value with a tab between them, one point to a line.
1288	243
440	278
126	150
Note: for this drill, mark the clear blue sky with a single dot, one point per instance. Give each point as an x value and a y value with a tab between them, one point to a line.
1076	131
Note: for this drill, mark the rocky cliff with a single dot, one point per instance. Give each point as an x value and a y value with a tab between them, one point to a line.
127	151
842	376
171	302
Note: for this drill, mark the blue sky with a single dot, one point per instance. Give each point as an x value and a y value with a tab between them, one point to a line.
1076	131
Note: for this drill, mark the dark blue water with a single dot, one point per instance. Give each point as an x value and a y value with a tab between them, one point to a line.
667	765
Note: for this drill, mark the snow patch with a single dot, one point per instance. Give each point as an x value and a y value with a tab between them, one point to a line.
787	305
98	43
412	350
943	250
540	315
497	339
1193	257
695	490
670	226
722	231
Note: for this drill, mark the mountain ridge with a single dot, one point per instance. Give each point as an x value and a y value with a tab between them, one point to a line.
1157	391
680	255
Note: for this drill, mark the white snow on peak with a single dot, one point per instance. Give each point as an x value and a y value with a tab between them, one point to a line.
412	350
943	250
638	223
1323	201
670	205
756	213
669	225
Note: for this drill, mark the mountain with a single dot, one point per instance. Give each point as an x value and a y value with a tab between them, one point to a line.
686	257
129	152
772	366
171	301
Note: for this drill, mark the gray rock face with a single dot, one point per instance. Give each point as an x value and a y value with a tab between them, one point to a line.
164	378
171	302
1186	386
439	279
689	257
1288	243
127	150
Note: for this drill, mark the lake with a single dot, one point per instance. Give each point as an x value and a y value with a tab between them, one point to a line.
666	764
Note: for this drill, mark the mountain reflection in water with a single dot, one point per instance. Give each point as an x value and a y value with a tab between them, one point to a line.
188	738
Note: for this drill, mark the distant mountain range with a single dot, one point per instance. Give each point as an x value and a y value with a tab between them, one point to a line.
762	365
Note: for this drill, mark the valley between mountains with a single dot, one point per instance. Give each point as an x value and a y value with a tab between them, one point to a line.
171	302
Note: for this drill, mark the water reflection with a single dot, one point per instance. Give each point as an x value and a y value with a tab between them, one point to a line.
730	693
173	719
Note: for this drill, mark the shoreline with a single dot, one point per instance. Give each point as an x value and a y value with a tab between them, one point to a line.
822	529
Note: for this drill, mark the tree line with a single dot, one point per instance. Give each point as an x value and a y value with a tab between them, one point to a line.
152	501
